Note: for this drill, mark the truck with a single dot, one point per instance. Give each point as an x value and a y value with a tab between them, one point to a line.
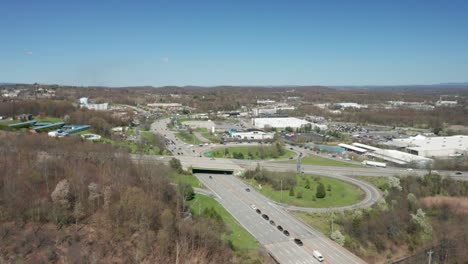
374	163
318	256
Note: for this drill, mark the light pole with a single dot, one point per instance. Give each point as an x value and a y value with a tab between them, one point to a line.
281	190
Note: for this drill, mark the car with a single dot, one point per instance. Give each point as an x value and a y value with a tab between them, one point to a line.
258	211
212	159
253	206
409	169
272	222
265	217
317	255
280	228
298	241
458	173
211	177
291	148
247	189
286	232
291	158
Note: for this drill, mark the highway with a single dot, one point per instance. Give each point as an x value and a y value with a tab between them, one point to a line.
232	194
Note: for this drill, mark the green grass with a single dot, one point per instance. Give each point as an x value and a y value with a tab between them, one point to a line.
188	179
188	138
211	137
379	182
201	130
245	150
321	161
341	194
49	119
239	237
322	222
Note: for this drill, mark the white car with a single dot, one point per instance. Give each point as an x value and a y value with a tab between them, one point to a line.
318	256
253	206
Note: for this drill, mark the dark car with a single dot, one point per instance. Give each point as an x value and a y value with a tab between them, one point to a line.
247	189
211	177
291	158
286	232
298	241
458	173
258	211
272	222
280	228
265	217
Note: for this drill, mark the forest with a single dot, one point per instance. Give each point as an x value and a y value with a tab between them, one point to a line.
73	201
416	214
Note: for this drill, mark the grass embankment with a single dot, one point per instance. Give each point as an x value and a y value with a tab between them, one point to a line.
322	222
379	182
188	138
150	148
321	161
184	178
250	152
237	235
341	193
211	137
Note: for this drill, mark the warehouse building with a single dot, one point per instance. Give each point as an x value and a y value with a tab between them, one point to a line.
437	147
391	155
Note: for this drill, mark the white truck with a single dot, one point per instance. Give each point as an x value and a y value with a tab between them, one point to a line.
317	255
374	163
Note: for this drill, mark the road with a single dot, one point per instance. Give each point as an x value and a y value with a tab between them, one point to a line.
231	192
234	197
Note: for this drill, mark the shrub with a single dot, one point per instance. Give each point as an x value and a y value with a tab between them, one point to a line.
320	191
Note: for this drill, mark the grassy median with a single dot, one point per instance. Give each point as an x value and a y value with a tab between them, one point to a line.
338	193
321	161
251	153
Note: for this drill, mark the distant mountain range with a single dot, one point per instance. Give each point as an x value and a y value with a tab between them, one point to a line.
339	87
436	85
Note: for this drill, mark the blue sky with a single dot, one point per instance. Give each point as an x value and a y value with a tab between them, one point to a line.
234	42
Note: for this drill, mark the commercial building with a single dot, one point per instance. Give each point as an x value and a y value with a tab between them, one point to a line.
251	135
84	103
266	102
351	105
395	156
279	122
433	146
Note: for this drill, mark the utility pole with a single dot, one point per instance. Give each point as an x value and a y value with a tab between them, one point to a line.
332	218
430	255
299	164
281	190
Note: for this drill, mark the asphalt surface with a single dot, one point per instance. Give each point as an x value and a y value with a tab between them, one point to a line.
232	194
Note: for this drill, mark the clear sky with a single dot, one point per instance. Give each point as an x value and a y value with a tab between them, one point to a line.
234	42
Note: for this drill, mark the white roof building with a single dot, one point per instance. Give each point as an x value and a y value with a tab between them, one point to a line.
256	135
351	105
281	122
267	101
395	156
433	146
